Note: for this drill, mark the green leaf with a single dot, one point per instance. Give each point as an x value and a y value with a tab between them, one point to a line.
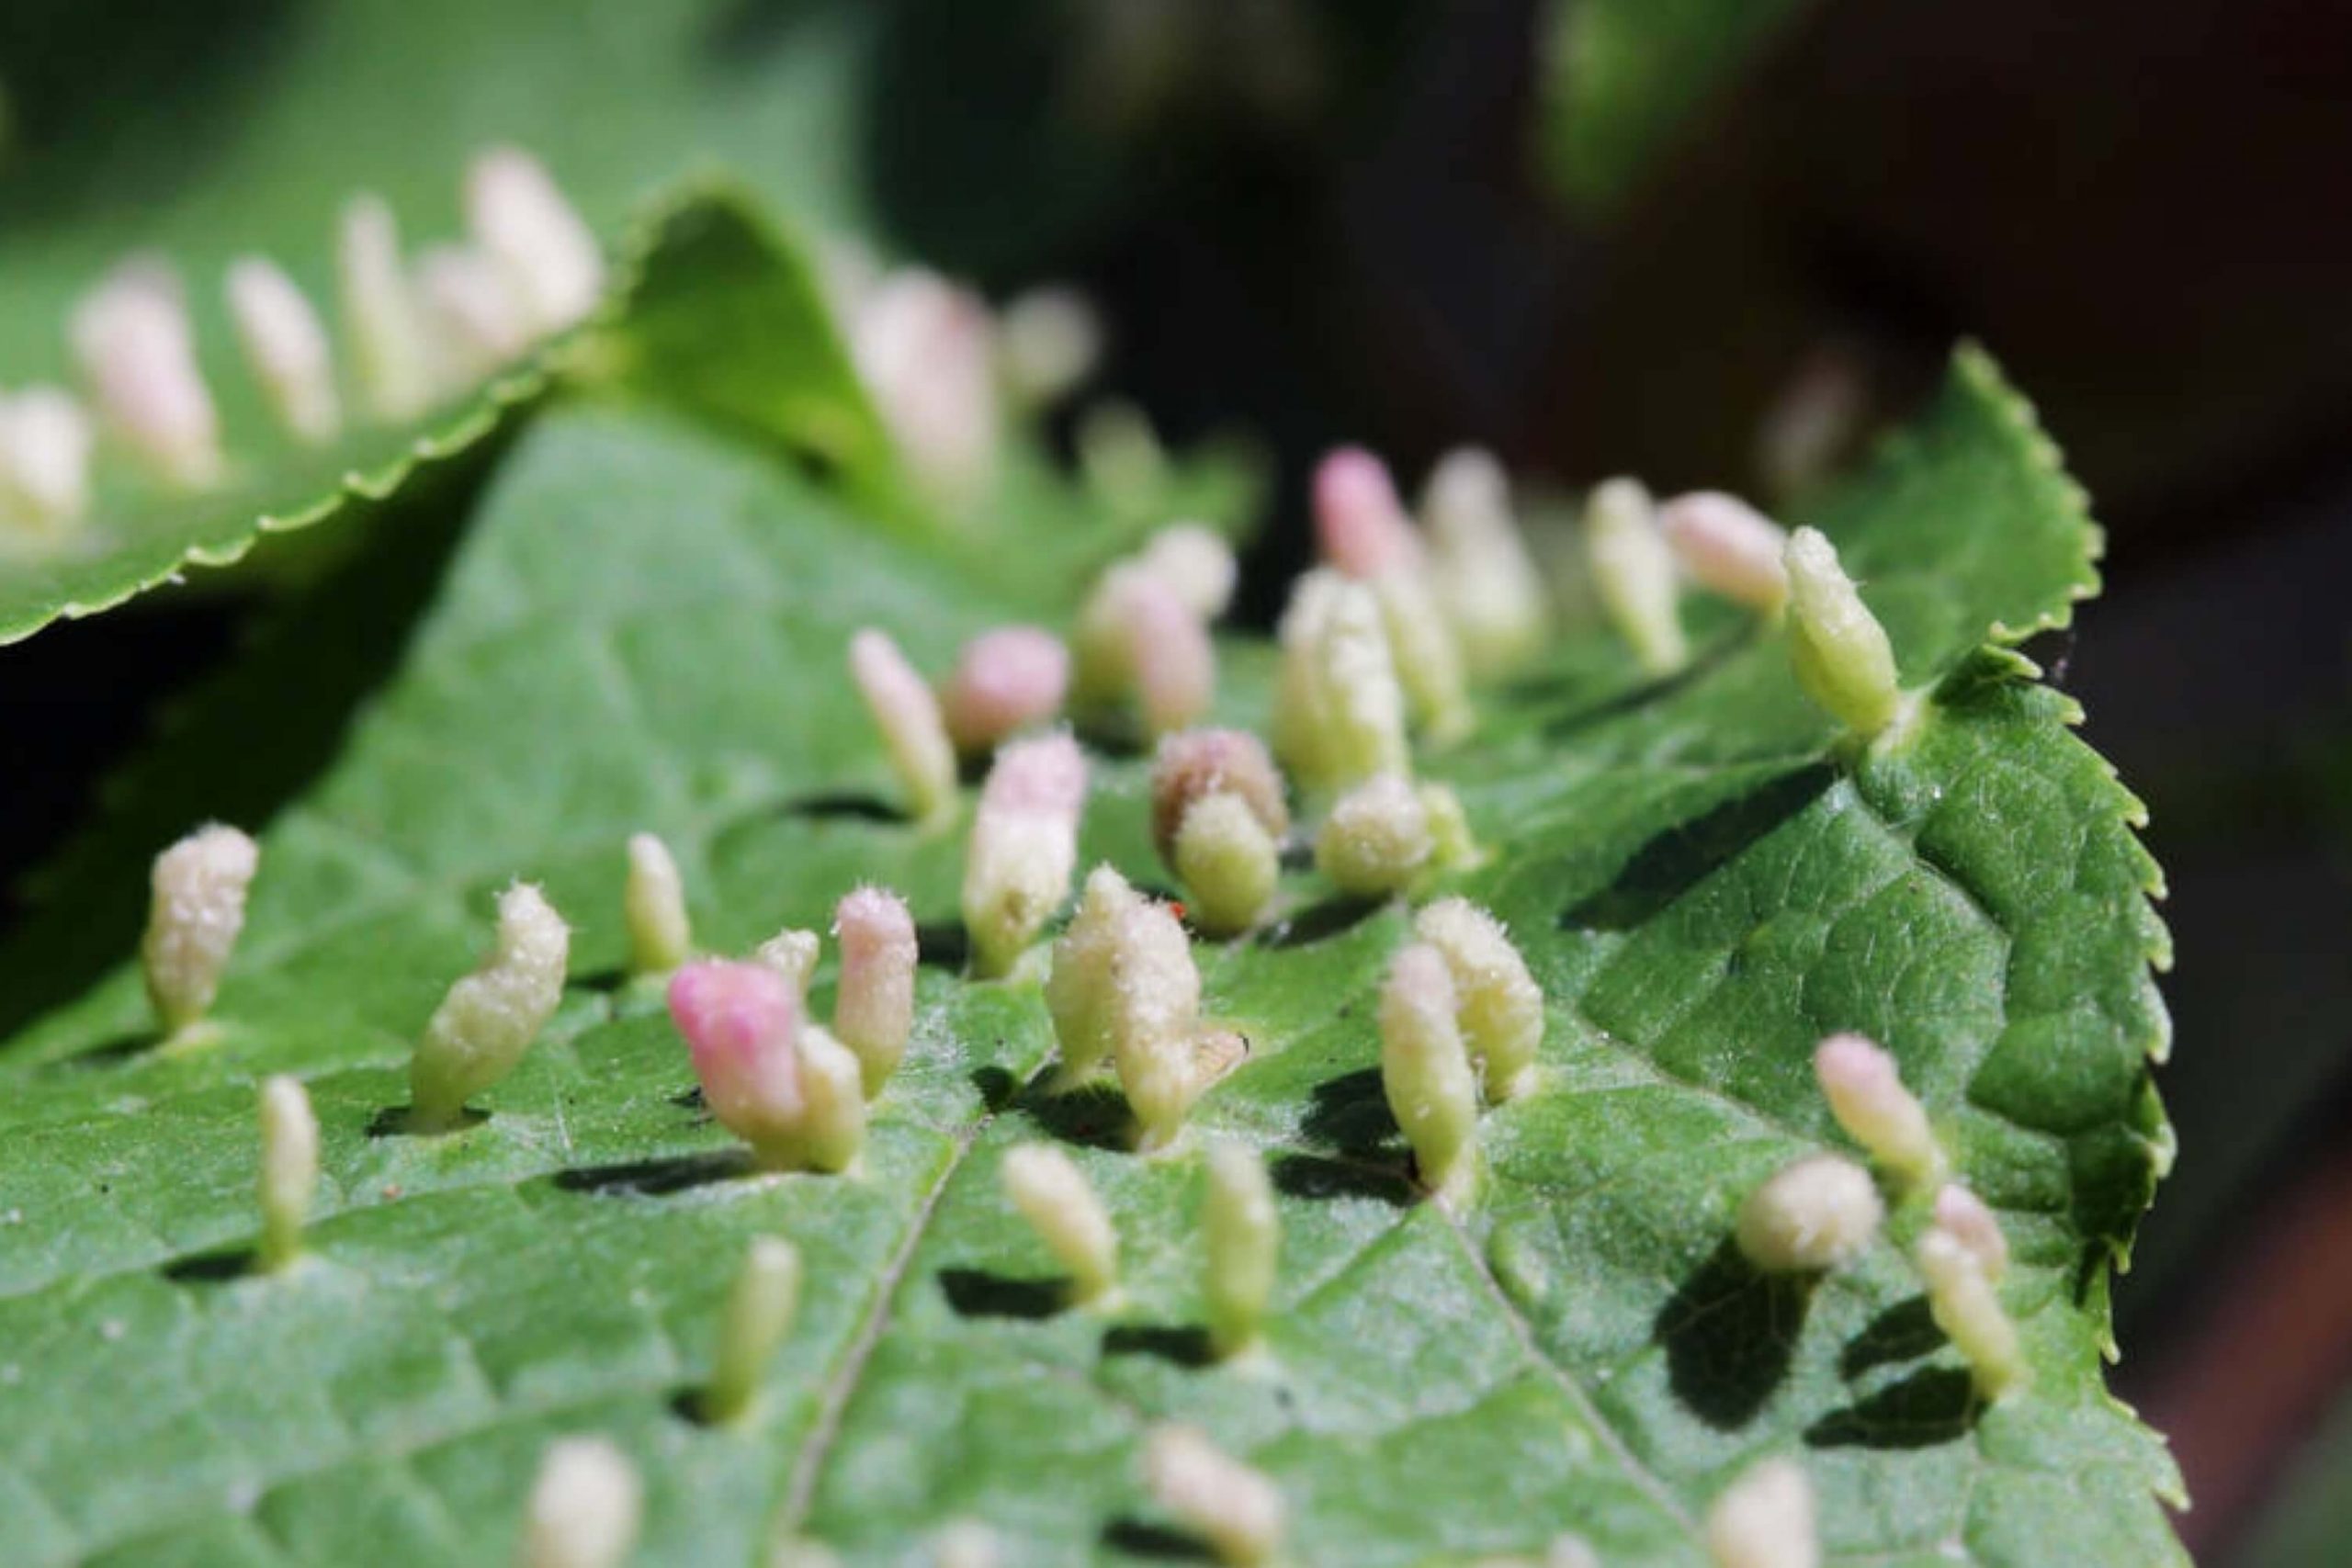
726	319
644	629
394	97
1623	78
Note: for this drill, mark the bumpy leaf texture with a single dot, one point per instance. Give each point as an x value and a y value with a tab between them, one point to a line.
643	629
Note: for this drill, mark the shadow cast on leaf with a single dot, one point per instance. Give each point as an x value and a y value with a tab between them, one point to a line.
105	1054
658	1178
1577	719
1670	864
393	1121
1094	1114
1728	1334
1137	1538
216	1267
843	806
1333	917
255	734
976	1292
1114	735
1184	1345
995	1086
1932	1406
1318	1180
605	982
1904	1332
1349	1115
943	944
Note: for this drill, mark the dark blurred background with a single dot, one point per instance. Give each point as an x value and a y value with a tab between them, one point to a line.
1346	221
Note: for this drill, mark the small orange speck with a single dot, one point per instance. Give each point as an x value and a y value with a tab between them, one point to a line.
391	1190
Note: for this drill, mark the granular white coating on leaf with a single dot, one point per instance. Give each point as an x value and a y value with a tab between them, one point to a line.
874	1006
1195	561
661	935
1155	1007
908	715
1428	664
1965	1306
1501	1006
1866	1094
759	1313
1962	1215
1634	573
792	954
1359	523
1140	639
1840	653
286	348
1338	710
1481	574
1814	1214
1376	839
832	1130
743	1024
197	908
967	1543
1048	340
1425	1070
1049	1190
926	351
1005	679
585	1507
1727	547
1764	1519
383	325
476	322
1453	846
1236	1509
1196	763
1079	986
1241	1240
490	1018
546	256
1229	863
1016	874
1175	661
46	441
138	353
1297	732
289	1167
1359	699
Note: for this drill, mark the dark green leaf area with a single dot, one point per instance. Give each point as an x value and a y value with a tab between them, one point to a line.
644	629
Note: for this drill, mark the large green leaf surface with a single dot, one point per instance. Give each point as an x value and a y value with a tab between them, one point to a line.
643	629
620	99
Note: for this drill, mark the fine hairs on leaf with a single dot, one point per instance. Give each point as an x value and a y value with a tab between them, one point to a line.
1303	1229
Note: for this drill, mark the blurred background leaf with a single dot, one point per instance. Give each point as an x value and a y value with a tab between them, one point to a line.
1622	78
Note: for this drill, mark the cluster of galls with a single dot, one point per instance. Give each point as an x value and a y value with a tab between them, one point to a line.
1823	1211
413	333
1378	645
